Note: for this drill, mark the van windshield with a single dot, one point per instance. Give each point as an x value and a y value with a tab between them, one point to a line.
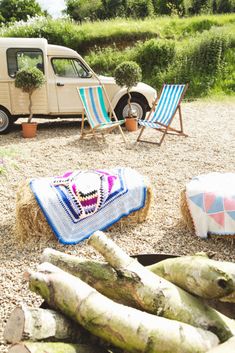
18	58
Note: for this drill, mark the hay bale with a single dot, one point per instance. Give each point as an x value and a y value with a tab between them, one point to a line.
188	220
31	222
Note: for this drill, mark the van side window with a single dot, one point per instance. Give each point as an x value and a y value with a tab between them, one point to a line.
67	67
19	58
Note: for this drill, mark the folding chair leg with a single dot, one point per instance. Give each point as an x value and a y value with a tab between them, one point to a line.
181	120
163	136
123	136
82	127
95	137
140	134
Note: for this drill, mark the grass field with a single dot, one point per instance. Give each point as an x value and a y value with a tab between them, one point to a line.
199	50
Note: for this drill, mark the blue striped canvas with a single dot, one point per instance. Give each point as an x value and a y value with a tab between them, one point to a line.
93	102
166	107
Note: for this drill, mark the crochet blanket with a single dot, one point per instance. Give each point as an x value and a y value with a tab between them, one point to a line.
78	203
211	201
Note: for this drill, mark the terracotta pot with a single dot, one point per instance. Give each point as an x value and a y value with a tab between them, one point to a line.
29	130
131	124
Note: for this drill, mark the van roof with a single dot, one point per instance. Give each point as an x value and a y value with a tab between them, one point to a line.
23	42
41	43
60	51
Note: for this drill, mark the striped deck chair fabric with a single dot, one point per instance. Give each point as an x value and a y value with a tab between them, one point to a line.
95	110
161	116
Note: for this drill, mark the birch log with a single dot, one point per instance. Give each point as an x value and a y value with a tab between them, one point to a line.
139	288
124	327
158	296
226	347
38	324
55	347
197	274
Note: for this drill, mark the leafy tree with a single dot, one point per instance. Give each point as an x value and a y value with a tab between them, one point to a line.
29	79
140	8
80	10
128	74
224	6
16	10
114	8
167	7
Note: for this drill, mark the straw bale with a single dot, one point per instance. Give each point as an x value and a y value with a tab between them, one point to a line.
188	220
31	222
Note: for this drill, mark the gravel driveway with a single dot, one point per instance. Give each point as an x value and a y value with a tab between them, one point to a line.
209	147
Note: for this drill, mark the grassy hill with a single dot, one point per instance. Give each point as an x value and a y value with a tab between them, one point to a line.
199	50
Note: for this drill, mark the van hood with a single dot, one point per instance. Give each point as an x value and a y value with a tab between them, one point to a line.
106	79
141	86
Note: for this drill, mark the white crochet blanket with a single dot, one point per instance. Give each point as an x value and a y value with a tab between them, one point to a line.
78	203
211	201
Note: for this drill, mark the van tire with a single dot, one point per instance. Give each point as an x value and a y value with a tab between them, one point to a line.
139	105
6	121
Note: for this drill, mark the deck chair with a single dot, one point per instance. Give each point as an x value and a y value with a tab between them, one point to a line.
96	114
163	112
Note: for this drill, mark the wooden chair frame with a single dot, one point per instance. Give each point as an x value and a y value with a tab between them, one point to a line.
165	129
101	129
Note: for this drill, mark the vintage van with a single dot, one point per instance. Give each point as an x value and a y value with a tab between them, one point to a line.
65	70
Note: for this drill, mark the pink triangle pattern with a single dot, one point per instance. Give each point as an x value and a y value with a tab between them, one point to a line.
229	204
209	198
218	218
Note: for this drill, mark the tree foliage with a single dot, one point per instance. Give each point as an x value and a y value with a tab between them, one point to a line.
16	10
128	74
29	79
80	10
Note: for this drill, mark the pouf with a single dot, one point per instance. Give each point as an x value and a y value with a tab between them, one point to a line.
208	205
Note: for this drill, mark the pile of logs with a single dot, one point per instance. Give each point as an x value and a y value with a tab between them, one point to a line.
121	306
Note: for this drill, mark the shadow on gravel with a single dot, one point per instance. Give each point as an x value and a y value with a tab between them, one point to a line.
52	124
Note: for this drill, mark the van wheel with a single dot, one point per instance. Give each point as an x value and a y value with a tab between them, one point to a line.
137	104
5	121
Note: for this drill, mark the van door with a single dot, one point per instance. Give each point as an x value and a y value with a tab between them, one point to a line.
70	74
17	59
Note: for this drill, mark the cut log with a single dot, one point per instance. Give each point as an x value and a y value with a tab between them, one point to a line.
122	326
160	296
38	324
226	347
55	347
139	288
98	275
197	274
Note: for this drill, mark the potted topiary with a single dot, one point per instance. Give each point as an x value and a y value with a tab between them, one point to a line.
128	74
29	79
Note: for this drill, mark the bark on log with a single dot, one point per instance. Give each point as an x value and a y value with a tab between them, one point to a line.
122	326
38	324
160	296
55	347
197	274
135	286
226	347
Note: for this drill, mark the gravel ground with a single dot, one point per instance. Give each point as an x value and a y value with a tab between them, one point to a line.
209	147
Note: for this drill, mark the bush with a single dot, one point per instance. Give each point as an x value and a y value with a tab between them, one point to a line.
155	53
106	60
200	63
